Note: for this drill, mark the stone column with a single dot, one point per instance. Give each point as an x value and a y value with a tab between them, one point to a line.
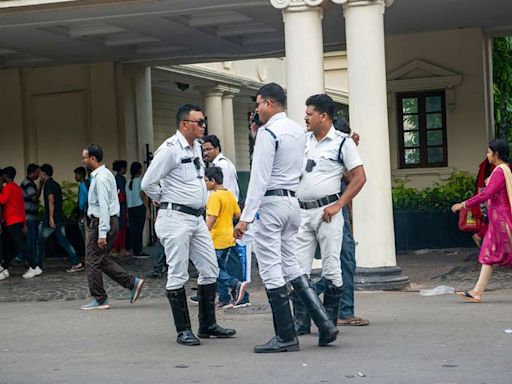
212	101
129	113
304	52
228	145
144	111
373	209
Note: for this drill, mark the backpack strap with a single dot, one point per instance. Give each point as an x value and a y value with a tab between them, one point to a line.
274	136
340	158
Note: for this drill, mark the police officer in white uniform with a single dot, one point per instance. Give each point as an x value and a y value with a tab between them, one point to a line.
328	155
276	169
175	180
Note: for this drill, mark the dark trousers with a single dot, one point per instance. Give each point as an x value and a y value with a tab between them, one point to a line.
97	261
32	235
137	219
14	243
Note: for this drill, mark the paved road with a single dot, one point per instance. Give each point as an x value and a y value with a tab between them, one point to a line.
411	339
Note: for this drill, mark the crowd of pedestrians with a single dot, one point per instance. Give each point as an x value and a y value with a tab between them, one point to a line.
33	211
299	192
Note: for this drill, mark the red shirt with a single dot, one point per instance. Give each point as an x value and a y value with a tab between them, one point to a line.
11	198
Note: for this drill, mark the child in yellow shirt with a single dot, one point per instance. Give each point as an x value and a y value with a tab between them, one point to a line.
221	209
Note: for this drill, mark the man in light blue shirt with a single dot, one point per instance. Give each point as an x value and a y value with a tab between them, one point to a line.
103	211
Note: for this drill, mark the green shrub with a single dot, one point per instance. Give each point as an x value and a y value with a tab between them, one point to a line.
69	197
459	187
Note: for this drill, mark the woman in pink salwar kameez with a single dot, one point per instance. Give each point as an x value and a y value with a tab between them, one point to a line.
497	245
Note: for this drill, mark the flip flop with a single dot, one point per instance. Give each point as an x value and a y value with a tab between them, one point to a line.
466	295
353	321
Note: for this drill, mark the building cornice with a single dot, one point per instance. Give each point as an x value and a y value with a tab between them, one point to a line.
216	77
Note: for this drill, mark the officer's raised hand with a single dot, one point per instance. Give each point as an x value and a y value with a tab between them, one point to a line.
330	211
240	229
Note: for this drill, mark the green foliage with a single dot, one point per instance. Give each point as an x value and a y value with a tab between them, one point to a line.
502	85
69	197
458	187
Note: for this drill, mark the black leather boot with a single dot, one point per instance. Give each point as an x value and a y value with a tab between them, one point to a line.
208	326
285	339
178	300
332	297
302	320
327	331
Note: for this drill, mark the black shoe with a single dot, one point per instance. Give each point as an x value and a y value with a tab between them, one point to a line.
302	320
285	339
277	345
216	331
208	326
187	337
155	275
327	331
178	300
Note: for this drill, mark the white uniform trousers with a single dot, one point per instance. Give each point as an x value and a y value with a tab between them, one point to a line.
185	236
275	238
313	230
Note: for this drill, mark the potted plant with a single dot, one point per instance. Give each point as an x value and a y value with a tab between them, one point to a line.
422	218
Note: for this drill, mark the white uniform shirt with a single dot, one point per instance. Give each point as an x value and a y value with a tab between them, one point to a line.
102	199
229	172
173	176
273	169
325	177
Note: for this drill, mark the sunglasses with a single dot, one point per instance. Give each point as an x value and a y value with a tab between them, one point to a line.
201	122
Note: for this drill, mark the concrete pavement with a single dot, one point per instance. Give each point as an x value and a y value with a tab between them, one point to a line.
411	339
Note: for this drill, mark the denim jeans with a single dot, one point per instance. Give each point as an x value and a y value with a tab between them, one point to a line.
348	267
235	269
32	234
159	259
45	232
225	280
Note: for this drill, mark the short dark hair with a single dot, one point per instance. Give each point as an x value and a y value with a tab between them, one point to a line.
96	151
215	173
80	171
213	140
48	169
31	168
340	124
501	147
119	164
10	172
273	92
322	103
184	111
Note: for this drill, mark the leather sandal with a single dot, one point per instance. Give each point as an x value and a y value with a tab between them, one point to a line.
353	321
469	296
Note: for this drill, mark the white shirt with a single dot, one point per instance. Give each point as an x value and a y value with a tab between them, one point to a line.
133	198
271	168
173	177
103	201
229	172
325	177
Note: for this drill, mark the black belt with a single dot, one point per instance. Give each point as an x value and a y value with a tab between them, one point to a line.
92	217
183	208
279	192
320	202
